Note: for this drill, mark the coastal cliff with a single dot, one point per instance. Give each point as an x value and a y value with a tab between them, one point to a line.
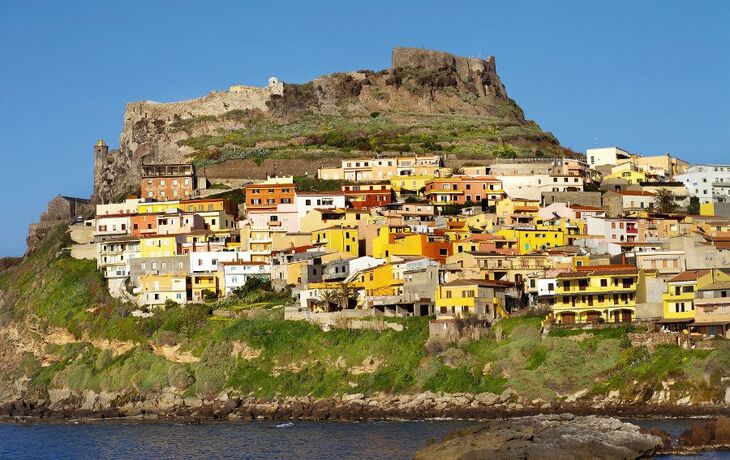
69	349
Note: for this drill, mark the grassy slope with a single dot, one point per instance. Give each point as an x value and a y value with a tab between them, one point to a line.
463	135
297	358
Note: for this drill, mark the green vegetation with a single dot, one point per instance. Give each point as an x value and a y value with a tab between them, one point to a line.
266	356
463	135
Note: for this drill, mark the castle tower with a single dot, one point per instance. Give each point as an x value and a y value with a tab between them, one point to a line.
100	148
101	153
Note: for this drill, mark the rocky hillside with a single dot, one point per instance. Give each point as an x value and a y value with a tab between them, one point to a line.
428	101
66	346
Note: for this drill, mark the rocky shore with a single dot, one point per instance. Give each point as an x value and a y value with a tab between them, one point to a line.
567	436
351	407
562	436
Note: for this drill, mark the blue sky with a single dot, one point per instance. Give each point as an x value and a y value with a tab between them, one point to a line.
651	76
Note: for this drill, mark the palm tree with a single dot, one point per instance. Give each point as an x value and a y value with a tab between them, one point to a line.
328	297
455	171
345	292
664	201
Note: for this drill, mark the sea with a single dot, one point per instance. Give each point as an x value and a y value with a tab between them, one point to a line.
125	439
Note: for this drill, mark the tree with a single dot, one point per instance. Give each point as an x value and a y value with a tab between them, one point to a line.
664	201
694	206
345	293
339	296
455	171
328	297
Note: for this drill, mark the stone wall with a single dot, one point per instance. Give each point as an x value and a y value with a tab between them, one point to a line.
579	198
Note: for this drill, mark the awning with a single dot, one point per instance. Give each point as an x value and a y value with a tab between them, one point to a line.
713	323
675	321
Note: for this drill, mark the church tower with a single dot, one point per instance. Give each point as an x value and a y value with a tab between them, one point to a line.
101	154
101	148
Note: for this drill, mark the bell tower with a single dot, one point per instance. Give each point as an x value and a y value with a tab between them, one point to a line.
101	156
100	148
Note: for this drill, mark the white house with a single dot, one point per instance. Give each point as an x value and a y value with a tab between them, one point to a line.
208	261
113	256
236	274
306	201
613	230
606	156
112	225
707	182
569	211
531	186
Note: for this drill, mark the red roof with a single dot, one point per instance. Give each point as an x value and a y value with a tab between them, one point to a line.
689	275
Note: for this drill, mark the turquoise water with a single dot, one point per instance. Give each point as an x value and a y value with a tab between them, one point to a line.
244	440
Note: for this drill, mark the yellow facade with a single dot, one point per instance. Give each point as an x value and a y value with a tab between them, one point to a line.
156	290
632	177
533	239
381	243
156	207
379	281
158	246
204	282
317	219
412	185
340	239
679	299
707	209
468	297
509	206
600	295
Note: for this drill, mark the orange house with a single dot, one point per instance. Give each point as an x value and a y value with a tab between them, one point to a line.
144	224
268	196
463	189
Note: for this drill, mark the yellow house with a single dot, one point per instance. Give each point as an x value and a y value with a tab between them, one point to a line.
200	282
509	206
156	207
317	219
339	238
218	213
631	176
596	293
378	281
480	221
156	290
411	185
707	209
531	239
461	297
679	308
386	235
160	245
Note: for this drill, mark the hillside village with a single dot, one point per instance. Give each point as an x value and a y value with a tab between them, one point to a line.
614	238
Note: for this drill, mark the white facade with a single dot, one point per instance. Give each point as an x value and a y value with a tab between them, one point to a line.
235	274
564	210
305	202
285	218
707	182
113	257
208	262
546	287
112	225
531	186
612	230
128	206
157	295
606	156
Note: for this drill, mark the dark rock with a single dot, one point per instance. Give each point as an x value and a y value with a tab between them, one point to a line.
547	437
